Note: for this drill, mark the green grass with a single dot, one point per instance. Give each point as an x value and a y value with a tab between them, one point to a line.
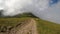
12	21
46	27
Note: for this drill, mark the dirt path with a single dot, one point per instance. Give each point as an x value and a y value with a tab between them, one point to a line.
29	27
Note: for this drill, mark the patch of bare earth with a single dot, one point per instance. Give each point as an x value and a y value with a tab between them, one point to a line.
27	27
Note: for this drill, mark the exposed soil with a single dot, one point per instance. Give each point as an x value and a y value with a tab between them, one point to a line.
27	27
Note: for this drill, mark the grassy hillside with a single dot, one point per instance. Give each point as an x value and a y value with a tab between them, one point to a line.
46	27
43	27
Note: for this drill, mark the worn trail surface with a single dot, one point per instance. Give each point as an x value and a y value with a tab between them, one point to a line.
28	27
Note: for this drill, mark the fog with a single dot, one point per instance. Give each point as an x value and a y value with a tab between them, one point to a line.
44	9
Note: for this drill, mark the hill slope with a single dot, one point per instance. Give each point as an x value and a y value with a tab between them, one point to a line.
46	27
43	26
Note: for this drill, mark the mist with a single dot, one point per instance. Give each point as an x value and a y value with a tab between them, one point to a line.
45	9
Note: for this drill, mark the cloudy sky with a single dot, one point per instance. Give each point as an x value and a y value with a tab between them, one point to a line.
52	13
44	9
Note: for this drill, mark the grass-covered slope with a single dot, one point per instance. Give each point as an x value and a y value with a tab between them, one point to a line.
46	27
43	27
11	21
